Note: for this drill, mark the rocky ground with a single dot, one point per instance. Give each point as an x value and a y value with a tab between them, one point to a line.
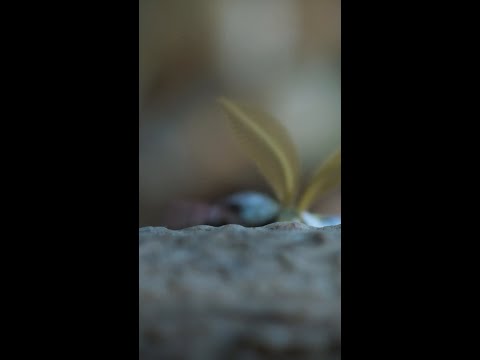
232	292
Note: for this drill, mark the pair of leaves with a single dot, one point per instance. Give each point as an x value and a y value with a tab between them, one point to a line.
269	145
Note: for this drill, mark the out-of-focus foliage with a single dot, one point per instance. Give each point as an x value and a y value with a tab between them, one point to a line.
283	55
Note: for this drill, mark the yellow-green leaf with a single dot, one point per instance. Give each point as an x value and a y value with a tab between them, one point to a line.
268	144
326	177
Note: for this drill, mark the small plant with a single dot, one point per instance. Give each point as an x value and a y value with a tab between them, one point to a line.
269	145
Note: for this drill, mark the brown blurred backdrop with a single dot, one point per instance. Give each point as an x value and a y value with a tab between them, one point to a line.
282	55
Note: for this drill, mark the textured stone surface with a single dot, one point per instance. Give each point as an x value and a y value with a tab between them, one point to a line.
240	293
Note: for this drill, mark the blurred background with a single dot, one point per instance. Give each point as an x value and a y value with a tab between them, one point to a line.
281	55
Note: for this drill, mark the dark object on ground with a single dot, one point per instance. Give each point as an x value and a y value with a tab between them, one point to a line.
246	208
